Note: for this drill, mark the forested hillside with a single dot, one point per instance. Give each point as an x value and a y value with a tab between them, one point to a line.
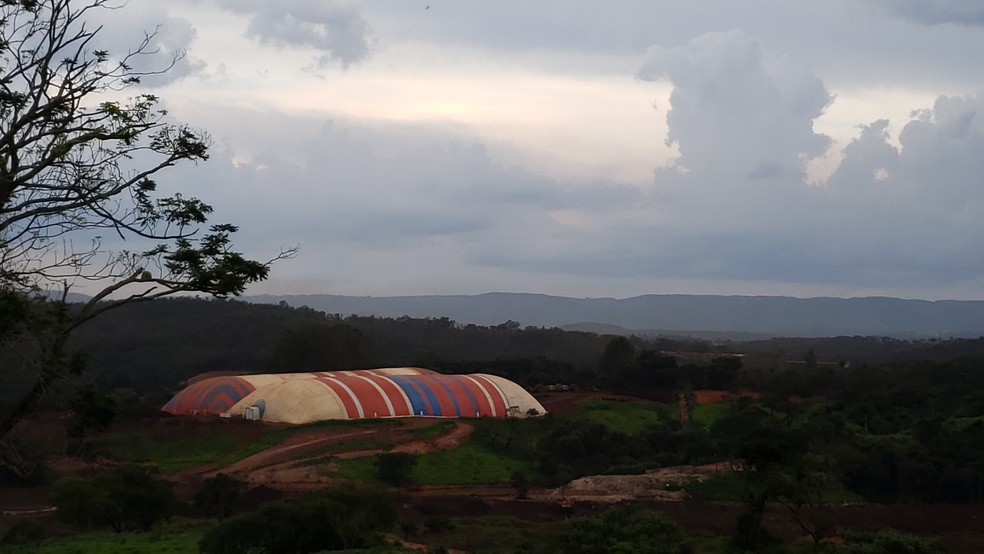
153	347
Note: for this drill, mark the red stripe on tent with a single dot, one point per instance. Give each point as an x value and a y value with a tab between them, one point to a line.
497	398
373	403
347	401
395	394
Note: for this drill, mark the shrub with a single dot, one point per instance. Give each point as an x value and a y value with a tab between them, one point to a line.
218	495
396	468
126	498
23	533
626	528
339	519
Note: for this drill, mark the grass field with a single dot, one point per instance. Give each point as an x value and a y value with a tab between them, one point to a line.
707	414
624	417
469	464
632	417
180	536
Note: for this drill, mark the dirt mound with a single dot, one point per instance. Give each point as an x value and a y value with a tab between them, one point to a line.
661	484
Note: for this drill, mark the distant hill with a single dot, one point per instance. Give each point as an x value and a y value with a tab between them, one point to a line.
679	314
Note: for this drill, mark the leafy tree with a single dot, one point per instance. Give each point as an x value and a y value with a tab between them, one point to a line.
91	411
626	529
218	495
616	361
396	468
76	163
81	503
126	498
337	520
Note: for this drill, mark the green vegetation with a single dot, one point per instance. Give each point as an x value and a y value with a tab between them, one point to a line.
337	519
468	464
173	540
707	415
125	498
433	431
624	417
626	529
724	487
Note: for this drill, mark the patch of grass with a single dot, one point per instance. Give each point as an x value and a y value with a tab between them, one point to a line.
171	456
965	422
179	537
625	417
708	414
433	431
469	464
362	470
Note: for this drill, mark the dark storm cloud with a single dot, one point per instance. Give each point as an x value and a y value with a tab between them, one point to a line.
336	30
934	12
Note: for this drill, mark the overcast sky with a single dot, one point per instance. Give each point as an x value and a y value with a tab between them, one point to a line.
587	148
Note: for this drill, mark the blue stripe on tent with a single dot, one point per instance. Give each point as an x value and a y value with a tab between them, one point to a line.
461	383
454	400
416	401
431	397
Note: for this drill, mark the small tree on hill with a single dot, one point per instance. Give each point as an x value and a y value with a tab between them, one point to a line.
626	528
126	498
218	495
396	468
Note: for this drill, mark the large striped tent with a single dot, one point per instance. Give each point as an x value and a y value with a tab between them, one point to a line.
367	393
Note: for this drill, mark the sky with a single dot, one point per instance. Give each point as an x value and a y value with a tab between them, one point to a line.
585	148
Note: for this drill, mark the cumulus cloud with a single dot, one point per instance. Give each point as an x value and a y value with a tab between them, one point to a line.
934	12
735	206
937	170
336	31
738	108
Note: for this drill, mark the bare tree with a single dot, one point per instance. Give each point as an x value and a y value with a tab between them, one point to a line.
77	164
